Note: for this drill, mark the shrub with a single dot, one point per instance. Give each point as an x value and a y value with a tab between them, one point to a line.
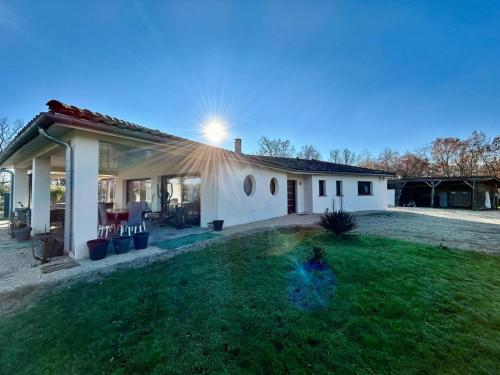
338	222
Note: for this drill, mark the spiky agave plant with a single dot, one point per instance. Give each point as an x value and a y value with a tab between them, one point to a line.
339	221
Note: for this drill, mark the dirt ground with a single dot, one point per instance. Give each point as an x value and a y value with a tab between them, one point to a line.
462	229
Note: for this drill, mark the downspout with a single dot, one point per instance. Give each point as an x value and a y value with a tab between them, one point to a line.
68	192
11	195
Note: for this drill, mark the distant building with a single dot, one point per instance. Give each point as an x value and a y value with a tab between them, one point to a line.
475	192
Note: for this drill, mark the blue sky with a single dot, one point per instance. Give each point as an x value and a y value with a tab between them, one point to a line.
361	74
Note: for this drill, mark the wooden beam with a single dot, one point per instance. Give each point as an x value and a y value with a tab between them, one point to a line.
473	194
432	185
468	183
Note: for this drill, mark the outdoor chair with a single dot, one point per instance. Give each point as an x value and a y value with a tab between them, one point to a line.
104	224
135	220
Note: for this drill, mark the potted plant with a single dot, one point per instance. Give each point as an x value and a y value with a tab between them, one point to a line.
140	240
98	248
218	224
121	244
21	231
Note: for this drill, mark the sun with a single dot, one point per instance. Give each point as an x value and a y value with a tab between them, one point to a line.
215	131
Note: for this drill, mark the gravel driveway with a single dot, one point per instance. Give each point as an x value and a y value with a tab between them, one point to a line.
463	229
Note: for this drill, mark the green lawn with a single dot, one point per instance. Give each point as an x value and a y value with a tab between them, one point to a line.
399	308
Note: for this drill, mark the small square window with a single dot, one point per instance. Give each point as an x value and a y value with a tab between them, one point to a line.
322	188
364	188
339	191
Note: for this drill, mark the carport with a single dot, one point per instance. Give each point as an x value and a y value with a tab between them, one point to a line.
475	192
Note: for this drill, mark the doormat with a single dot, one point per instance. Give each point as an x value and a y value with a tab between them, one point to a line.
185	241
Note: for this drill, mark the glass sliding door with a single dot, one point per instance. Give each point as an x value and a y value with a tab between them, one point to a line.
185	196
139	191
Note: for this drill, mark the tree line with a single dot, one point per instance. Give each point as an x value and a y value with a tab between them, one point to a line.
448	156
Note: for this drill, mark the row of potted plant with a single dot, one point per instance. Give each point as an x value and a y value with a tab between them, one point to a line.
98	248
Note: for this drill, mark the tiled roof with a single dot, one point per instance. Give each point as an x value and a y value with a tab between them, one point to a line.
56	106
319	166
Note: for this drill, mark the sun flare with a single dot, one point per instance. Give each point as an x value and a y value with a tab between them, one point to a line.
215	131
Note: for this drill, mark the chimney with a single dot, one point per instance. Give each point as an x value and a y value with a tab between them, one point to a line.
237	145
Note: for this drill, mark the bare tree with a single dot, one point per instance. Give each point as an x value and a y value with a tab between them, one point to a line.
8	130
412	165
388	160
444	153
335	156
309	152
467	161
275	147
344	156
366	160
487	151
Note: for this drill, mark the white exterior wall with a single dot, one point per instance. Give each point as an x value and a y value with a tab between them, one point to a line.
235	207
391	197
308	197
351	200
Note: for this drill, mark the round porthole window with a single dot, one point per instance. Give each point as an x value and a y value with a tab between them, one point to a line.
273	186
249	185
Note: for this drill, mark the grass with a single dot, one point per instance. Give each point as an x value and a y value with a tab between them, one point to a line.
399	308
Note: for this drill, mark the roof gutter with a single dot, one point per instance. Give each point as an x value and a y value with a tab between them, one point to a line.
68	192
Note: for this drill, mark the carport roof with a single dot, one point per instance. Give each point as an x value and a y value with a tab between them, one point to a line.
399	181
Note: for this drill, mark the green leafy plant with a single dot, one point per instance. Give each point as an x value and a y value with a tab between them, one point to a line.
56	193
338	222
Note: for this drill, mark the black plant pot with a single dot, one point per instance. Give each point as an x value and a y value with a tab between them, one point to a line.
98	248
140	240
218	224
23	233
121	244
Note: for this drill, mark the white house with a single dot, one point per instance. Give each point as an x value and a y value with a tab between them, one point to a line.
106	159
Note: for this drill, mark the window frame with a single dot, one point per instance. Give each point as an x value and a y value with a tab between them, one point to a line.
322	184
370	184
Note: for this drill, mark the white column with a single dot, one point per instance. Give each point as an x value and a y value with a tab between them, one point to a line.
21	187
85	181
40	195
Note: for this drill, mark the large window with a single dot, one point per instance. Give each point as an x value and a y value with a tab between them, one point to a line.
185	198
183	189
364	188
139	190
338	186
322	188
